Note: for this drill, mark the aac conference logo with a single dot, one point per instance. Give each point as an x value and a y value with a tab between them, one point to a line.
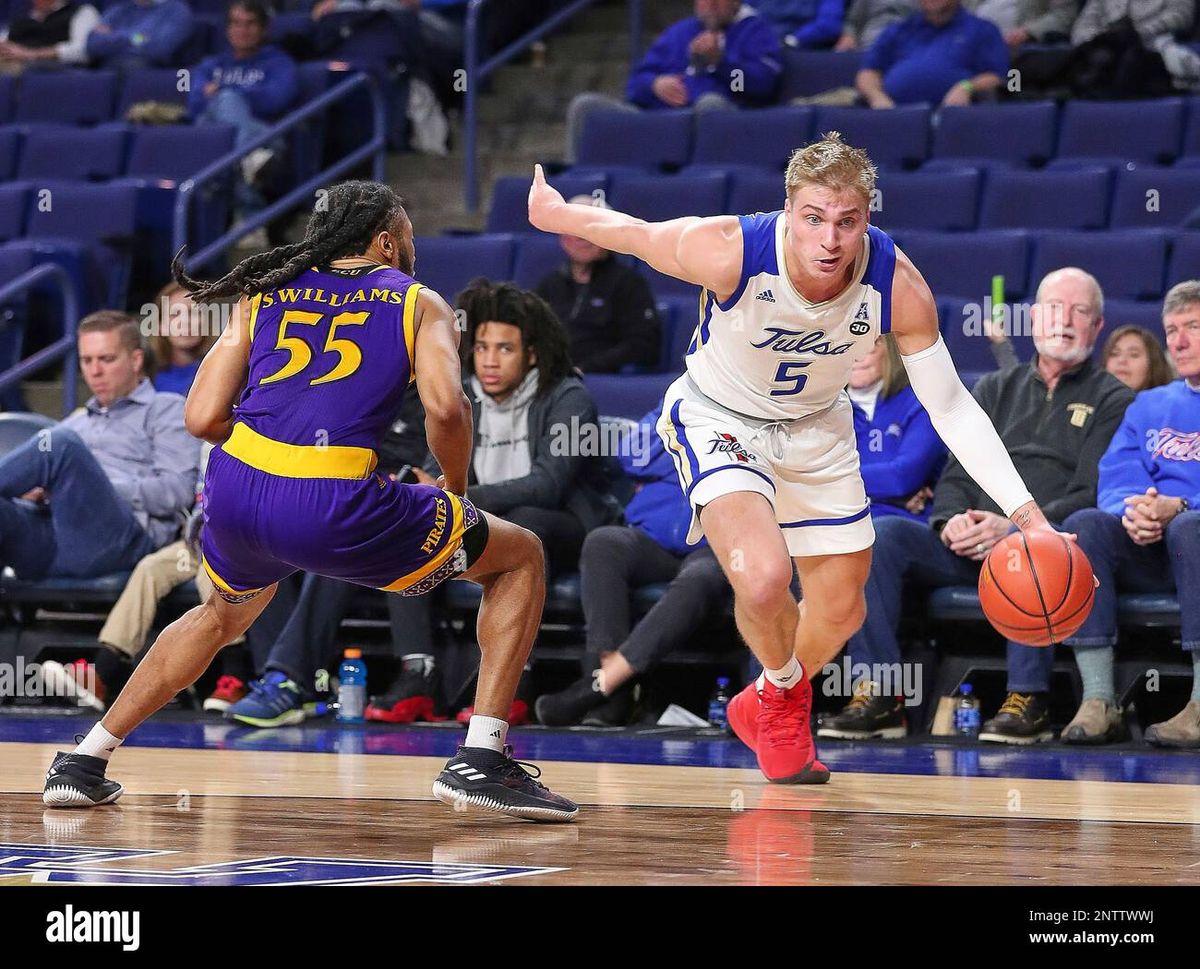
67	864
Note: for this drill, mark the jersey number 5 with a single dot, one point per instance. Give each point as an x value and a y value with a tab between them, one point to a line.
787	371
300	354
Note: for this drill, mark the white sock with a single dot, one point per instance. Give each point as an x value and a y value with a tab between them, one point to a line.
99	743
784	678
487	732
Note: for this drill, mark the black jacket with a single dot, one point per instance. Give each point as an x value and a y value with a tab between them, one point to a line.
562	477
611	320
1056	438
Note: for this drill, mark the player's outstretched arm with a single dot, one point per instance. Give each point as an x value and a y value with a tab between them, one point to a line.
956	415
439	385
208	413
704	251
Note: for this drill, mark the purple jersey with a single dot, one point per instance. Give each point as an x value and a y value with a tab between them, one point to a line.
331	356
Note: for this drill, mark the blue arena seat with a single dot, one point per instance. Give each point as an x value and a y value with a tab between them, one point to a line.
18	427
763	138
1146	131
957	603
657	198
684	311
149	84
1191	129
1046	200
537	254
751	192
1128	264
1155	198
964	264
66	97
898	138
10	149
1185	257
628	395
924	200
174	153
14	199
646	139
1020	134
79	154
962	329
509	210
447	263
808	72
8	86
1124	312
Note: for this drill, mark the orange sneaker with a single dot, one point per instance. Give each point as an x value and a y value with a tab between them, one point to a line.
785	748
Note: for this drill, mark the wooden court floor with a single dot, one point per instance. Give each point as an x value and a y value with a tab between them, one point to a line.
638	824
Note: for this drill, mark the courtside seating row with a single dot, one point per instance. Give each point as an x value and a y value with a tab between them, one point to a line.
958	197
1019	134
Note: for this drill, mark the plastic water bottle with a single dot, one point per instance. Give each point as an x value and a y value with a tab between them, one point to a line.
352	687
966	712
717	704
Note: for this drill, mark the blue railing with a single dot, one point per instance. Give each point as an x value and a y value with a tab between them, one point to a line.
477	73
62	348
375	148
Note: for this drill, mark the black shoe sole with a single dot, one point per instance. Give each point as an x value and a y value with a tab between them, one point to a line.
462	800
806	776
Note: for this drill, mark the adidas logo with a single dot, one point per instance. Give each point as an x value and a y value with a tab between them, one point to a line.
496	734
766	296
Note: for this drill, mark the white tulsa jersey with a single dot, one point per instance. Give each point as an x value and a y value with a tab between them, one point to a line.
769	353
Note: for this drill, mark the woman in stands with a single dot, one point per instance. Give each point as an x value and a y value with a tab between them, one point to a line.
179	341
1136	358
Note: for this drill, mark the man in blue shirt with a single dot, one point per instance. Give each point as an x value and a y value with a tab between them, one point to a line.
810	24
140	33
942	55
106	486
726	56
1145	534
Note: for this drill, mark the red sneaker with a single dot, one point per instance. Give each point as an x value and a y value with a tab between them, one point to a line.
229	690
518	714
406	710
786	753
77	680
742	712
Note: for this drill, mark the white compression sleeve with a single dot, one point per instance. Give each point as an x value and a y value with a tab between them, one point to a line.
962	424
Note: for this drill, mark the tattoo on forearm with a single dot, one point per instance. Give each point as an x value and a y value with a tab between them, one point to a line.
1023	517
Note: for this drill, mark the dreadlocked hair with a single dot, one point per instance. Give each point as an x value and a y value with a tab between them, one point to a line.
343	223
486	302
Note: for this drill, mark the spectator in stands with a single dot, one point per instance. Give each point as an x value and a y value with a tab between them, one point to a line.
810	24
529	461
866	19
52	32
140	33
606	306
248	87
1056	416
1145	534
942	55
650	547
1027	21
180	341
900	453
725	56
1116	47
1134	356
107	485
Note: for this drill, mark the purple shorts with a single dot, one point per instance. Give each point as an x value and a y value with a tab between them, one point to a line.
261	527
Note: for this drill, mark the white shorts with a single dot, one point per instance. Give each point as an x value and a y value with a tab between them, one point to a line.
807	469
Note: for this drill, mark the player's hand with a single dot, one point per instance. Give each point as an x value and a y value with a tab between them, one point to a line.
670	89
846	42
424	477
545	202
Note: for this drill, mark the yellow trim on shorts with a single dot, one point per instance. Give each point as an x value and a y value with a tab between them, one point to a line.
255	303
680	455
410	333
457	529
225	586
298	460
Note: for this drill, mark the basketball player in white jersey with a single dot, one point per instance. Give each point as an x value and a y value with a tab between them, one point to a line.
760	425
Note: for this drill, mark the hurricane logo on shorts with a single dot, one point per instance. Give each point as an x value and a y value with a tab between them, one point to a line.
728	444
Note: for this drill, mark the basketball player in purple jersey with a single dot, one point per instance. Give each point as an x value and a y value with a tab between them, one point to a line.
297	393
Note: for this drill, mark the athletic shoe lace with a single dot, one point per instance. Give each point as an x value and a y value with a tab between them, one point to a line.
516	768
782	717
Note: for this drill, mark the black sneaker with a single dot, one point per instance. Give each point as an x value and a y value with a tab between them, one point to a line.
479	778
865	717
617	708
414	694
570	706
77	781
1023	718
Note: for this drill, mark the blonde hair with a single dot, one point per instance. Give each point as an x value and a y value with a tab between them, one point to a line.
1181	296
832	164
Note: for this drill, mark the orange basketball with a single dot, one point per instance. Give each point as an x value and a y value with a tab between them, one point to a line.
1036	589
